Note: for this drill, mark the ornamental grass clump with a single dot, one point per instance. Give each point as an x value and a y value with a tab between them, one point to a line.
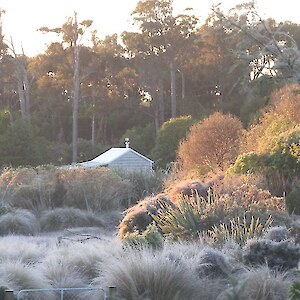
240	230
144	274
62	218
19	221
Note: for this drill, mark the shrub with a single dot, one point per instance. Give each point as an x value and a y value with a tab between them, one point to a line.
94	189
149	238
62	218
168	139
277	234
143	183
142	139
212	263
139	216
292	201
282	255
20	221
214	143
245	163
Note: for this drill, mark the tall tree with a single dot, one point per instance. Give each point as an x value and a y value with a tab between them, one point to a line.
72	33
164	35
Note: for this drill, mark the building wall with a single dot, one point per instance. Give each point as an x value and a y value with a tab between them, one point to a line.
131	162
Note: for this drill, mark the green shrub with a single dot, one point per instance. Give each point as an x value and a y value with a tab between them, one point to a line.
168	139
280	255
292	201
149	238
142	139
245	163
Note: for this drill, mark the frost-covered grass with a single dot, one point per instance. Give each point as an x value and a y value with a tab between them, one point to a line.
186	270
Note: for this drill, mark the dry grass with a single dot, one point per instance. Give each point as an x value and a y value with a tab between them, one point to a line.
61	218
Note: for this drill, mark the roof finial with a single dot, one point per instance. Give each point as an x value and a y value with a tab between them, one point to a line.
127	143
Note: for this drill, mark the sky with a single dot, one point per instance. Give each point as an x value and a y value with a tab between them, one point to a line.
22	18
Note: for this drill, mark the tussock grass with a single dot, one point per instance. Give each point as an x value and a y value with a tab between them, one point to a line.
18	275
148	274
61	218
20	221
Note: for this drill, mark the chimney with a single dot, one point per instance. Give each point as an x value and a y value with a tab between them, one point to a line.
127	143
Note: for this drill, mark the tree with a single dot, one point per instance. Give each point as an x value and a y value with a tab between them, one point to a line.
162	38
268	46
72	33
212	143
168	139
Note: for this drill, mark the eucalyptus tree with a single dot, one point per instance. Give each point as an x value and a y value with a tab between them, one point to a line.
72	33
268	46
161	39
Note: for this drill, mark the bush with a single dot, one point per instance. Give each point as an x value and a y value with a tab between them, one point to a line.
149	238
139	216
239	230
281	255
245	163
95	189
213	143
143	183
142	139
277	234
168	139
292	201
212	263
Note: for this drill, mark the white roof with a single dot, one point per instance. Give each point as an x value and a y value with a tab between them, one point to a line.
109	156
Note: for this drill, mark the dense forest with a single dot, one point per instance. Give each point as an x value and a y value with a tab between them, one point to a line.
74	101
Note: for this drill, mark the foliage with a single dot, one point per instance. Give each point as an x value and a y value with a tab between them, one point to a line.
292	201
245	163
281	255
143	183
240	230
21	145
139	216
149	238
169	136
47	187
214	143
294	291
142	139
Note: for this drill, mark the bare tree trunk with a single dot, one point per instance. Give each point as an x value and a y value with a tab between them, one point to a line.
22	82
76	90
173	90
93	129
182	86
161	102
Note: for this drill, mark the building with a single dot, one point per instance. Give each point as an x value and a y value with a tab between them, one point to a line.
125	159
